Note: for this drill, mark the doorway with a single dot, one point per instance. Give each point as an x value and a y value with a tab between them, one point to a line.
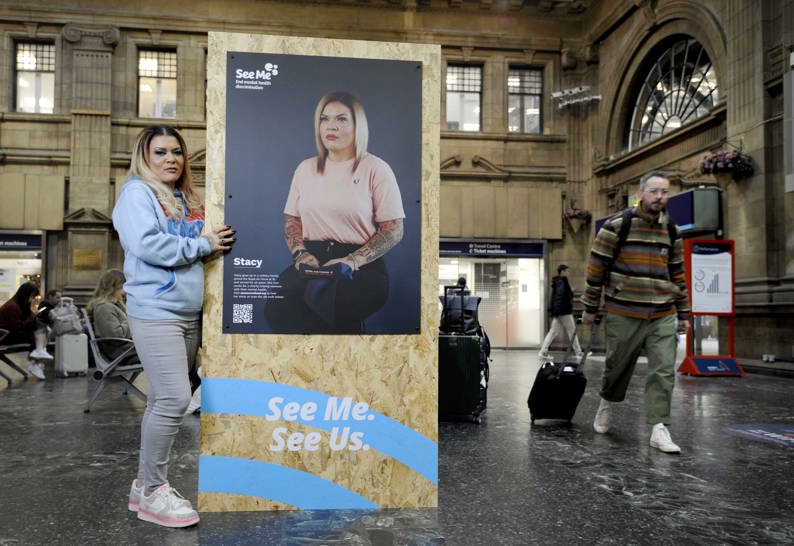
512	291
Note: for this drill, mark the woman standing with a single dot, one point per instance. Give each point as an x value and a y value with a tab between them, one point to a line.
343	214
160	220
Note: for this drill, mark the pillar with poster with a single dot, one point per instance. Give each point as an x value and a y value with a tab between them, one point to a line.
710	281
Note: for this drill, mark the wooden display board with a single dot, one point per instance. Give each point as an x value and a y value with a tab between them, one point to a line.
317	421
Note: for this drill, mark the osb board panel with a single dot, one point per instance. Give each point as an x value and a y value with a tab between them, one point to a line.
395	375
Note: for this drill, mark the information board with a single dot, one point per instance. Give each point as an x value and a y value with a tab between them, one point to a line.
710	281
711	272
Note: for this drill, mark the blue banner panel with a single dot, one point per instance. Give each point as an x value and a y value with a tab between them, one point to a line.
717	365
490	249
348	420
20	241
710	365
279	483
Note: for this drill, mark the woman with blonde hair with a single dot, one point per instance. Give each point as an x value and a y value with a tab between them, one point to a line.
343	214
160	221
108	314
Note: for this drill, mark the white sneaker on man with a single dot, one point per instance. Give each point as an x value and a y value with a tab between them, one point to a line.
660	439
603	417
166	507
40	354
37	369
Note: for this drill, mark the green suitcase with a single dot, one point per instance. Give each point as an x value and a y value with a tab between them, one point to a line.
462	381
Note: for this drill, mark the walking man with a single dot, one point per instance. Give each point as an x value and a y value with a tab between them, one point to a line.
641	274
561	313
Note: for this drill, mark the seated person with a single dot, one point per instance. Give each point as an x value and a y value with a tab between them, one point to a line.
17	316
50	301
108	314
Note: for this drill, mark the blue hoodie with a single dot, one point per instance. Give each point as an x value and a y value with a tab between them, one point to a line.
162	256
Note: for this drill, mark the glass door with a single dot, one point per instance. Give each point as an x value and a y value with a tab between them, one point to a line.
512	294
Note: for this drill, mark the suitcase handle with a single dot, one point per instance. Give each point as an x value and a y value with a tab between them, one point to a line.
585	350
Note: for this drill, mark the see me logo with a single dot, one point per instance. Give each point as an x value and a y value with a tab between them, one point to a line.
255	79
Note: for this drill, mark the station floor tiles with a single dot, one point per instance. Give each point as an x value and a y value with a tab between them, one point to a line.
64	474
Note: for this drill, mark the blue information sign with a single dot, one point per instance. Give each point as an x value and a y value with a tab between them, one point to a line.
20	241
487	249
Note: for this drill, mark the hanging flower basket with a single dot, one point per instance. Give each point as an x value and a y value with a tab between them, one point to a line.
736	164
576	217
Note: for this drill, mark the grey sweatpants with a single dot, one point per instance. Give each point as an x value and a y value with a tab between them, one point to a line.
167	349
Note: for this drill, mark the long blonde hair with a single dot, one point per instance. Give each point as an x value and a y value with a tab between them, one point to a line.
139	168
105	290
359	119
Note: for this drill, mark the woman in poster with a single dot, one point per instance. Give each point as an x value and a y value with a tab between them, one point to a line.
343	214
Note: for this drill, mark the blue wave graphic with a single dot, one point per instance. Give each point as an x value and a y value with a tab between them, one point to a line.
249	397
280	483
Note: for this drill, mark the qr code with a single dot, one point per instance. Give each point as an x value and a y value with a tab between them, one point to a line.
243	313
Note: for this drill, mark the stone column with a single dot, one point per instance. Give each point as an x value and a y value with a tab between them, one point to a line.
748	202
83	248
89	171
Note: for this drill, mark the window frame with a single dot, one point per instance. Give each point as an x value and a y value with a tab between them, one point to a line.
479	92
540	97
648	98
52	61
159	77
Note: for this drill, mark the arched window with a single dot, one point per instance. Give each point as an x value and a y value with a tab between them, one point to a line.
679	86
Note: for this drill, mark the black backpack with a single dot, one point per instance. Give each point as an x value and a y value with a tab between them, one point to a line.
623	234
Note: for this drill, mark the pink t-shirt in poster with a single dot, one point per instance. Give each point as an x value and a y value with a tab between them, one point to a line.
340	205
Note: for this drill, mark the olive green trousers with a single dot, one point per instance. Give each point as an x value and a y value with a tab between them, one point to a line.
626	338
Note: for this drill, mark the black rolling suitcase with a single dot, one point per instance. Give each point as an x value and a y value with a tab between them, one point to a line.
463	353
558	387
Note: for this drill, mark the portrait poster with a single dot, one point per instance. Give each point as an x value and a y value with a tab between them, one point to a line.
270	129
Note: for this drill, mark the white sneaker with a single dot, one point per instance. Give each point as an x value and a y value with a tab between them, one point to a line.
660	439
134	500
545	356
166	507
40	354
135	496
37	370
603	417
195	402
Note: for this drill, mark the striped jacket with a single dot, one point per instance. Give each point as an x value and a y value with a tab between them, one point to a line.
639	283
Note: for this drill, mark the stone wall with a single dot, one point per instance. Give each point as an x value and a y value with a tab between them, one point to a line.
521	182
